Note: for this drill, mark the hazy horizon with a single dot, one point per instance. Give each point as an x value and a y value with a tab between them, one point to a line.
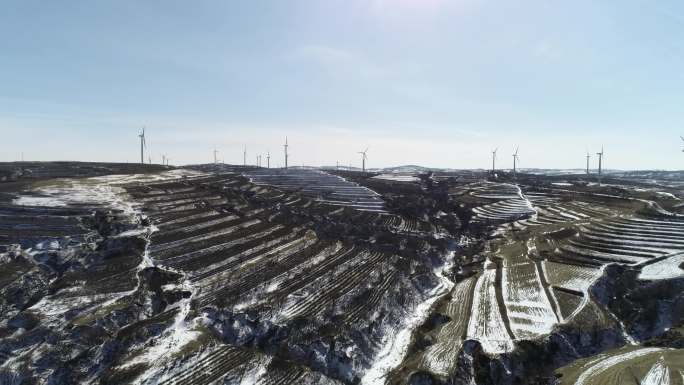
433	83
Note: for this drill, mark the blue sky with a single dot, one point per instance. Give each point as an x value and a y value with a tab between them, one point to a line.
430	82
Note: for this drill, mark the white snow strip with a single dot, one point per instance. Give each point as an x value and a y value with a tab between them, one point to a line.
486	323
659	374
602	365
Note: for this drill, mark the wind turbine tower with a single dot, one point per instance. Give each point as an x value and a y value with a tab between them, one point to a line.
286	155
363	159
215	159
494	159
244	157
682	140
600	155
268	159
515	160
143	145
588	156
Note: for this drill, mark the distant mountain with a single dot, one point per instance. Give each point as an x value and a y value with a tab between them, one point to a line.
408	169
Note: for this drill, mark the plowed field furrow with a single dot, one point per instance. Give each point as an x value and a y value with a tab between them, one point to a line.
318	270
441	357
312	305
262	273
633	239
235	256
652	222
601	256
160	238
215	252
193	203
175	202
191	220
361	309
164	199
194	240
211	367
615	248
635	230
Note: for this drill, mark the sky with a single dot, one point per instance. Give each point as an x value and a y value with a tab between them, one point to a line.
436	83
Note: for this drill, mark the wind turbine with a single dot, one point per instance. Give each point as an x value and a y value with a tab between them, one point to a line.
515	159
588	156
215	159
494	159
268	159
143	146
363	159
285	147
244	157
600	155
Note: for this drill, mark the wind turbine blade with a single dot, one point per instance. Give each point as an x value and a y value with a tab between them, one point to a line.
682	138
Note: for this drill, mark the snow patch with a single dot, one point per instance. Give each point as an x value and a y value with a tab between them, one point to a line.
667	268
396	345
659	374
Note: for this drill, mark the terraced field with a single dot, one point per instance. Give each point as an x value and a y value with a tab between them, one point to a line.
319	185
203	276
250	276
546	250
632	365
441	357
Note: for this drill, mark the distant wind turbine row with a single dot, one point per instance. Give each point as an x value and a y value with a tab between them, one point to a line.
364	157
